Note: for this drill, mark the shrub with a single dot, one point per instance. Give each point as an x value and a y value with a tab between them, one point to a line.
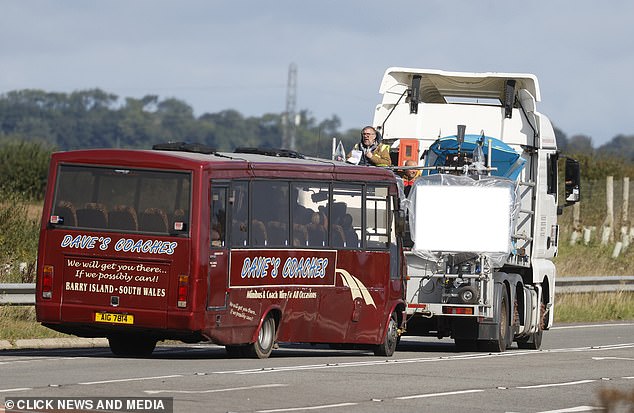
24	167
18	239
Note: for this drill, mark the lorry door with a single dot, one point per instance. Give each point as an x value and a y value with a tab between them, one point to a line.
218	253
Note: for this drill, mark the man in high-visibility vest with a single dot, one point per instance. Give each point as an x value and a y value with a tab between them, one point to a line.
373	152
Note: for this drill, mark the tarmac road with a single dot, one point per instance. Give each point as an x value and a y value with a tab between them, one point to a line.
575	364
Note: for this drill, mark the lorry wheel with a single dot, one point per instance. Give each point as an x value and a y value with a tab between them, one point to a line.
532	342
263	346
466	344
131	345
504	331
388	346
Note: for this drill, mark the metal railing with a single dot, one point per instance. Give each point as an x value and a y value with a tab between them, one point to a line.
17	294
24	294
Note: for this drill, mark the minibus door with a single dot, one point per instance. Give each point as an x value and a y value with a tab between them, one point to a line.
218	252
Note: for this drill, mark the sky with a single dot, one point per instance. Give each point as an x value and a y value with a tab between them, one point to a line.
218	55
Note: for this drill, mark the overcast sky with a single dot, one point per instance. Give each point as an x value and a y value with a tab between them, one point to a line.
218	55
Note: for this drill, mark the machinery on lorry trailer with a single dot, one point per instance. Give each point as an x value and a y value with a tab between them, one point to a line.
483	213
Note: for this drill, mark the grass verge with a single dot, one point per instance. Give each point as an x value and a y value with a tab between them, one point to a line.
589	307
18	322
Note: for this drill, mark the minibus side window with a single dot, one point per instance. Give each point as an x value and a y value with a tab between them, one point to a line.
218	217
376	222
239	213
270	213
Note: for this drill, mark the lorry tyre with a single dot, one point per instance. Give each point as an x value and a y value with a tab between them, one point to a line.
466	344
131	345
390	340
263	346
504	331
534	340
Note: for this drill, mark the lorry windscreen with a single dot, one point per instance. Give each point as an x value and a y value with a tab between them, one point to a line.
122	200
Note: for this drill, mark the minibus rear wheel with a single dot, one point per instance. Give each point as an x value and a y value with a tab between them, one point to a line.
131	345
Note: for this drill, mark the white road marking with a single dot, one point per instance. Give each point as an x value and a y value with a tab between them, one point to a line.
592	326
39	359
448	393
16	389
613	358
384	362
574	409
131	379
297	409
569	383
263	386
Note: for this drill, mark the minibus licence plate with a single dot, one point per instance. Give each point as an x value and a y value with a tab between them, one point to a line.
114	318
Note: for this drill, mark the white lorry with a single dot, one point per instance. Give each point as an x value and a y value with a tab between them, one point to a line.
483	213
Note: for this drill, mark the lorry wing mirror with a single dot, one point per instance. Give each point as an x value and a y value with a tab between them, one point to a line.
509	98
573	180
414	98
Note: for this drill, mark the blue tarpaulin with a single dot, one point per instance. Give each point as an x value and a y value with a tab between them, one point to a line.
508	162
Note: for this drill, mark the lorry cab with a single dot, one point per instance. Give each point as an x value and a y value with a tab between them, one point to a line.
464	128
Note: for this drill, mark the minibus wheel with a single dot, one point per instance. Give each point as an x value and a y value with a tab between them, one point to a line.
266	339
390	340
131	345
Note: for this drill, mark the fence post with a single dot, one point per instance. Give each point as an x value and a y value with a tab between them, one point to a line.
608	223
617	249
625	219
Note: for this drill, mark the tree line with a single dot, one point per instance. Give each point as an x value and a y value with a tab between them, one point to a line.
97	119
33	123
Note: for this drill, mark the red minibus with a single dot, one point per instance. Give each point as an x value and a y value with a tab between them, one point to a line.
241	249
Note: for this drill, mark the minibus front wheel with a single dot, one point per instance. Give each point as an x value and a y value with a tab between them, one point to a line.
266	339
390	340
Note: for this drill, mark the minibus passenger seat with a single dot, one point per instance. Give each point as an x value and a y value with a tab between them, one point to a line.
351	237
123	217
277	233
338	237
239	234
259	232
93	215
316	232
67	211
153	220
300	235
177	216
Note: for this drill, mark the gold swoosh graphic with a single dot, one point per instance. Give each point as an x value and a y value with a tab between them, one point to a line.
357	288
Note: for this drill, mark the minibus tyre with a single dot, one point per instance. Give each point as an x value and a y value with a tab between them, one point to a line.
266	339
131	345
390	340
